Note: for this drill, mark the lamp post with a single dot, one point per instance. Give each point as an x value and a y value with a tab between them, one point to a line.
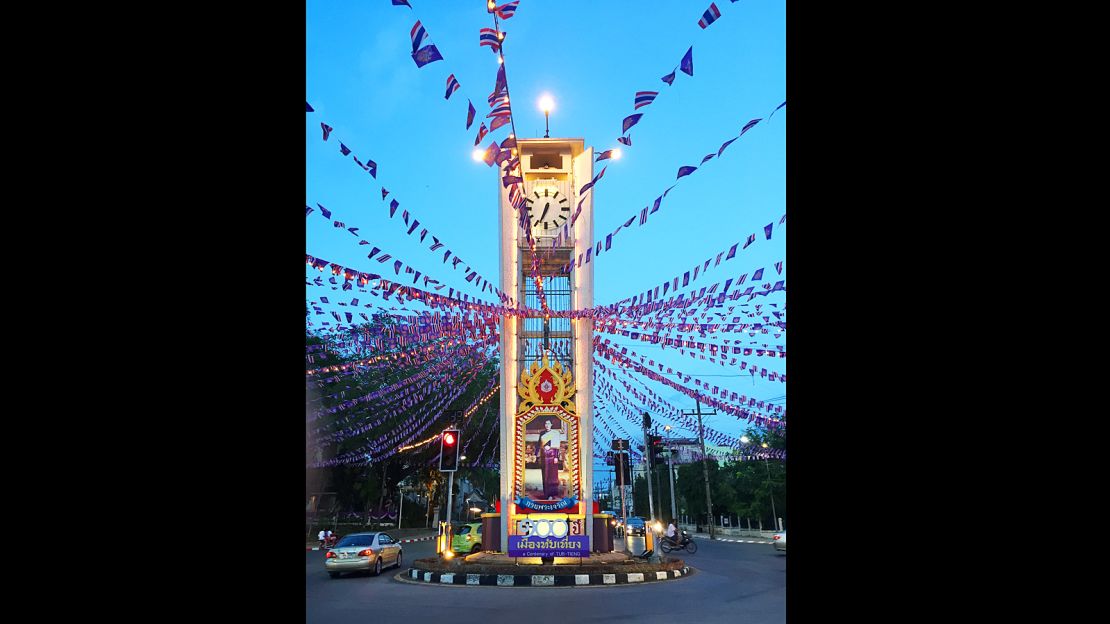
771	489
401	507
670	468
547	104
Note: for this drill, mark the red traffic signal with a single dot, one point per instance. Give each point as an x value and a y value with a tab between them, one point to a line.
449	451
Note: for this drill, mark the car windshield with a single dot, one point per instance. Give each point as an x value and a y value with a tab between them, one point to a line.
357	540
464	530
636	522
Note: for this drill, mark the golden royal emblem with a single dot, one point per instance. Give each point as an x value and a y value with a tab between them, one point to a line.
546	385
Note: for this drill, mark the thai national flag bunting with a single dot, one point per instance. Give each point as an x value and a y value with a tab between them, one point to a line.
711	14
418	35
500	111
488	37
452	86
643	98
506	11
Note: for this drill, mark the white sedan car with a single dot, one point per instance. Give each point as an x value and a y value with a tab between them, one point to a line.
780	541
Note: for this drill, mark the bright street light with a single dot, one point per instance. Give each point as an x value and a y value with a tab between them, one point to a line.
547	104
478	154
617	156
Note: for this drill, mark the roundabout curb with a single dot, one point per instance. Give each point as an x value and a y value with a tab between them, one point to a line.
541	580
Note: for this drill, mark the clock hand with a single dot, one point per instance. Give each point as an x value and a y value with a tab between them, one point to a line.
546	206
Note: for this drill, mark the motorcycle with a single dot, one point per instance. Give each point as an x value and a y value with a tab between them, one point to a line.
667	544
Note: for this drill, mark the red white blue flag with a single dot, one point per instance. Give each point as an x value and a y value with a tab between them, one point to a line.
470	115
643	98
488	37
418	35
452	86
506	11
481	133
626	140
711	14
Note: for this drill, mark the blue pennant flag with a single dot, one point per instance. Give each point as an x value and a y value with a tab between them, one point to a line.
630	121
425	55
669	78
687	64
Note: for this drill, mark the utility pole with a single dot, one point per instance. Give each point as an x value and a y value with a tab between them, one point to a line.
647	466
670	473
704	462
655	469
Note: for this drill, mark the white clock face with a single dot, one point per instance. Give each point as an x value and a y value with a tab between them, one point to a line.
548	209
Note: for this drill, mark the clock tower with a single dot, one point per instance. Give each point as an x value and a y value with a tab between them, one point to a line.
546	360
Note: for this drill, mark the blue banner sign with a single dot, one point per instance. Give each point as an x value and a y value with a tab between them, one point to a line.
568	546
528	503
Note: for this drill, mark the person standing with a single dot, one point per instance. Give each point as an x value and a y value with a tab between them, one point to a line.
323	536
550	441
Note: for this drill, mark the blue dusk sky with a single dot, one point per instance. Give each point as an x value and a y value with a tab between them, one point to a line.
591	56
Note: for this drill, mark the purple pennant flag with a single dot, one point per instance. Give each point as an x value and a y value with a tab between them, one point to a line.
685	171
499	83
707	157
658	200
344	149
732	252
425	55
687	64
630	121
309	108
606	155
626	140
397	267
491	153
508	143
308	210
669	189
327	130
406	3
629	222
325	212
726	144
608	241
470	115
758	275
749	126
372	167
393	204
669	78
499	121
767	229
384	193
768	116
510	180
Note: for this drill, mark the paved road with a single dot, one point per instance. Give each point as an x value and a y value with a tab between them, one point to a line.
733	583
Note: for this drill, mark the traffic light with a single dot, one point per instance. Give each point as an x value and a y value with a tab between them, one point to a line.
449	451
656	450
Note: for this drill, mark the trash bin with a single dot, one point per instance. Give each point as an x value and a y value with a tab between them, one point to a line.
636	544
